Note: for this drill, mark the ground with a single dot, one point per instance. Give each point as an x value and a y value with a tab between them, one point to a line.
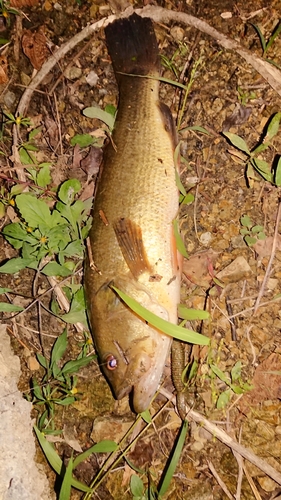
237	384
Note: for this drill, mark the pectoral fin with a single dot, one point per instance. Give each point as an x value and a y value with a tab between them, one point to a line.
129	236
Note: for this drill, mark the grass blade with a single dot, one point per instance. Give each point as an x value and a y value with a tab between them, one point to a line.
164	326
174	460
55	461
65	490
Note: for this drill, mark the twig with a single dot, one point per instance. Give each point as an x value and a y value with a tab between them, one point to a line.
268	270
219	480
240	470
267	70
227	440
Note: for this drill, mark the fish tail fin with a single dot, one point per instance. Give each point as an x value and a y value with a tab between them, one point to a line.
132	46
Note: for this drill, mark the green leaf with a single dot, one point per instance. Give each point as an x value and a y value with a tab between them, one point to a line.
189	198
68	190
54	269
74	249
238	142
277	175
15	230
261	37
17	189
257	229
37	390
236	371
173	460
136	485
95	112
250	241
34	133
262	166
44	176
273	126
179	242
75	365
66	401
179	184
260	148
145	415
5	290
196	128
105	446
2	209
35	212
109	108
83	140
55	461
42	360
59	348
246	221
26	158
15	265
220	374
65	490
77	309
261	236
161	324
192	314
6	307
223	399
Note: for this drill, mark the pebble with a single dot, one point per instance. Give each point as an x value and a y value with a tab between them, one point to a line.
73	73
206	238
92	78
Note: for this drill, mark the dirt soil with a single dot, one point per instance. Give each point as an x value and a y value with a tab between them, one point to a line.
226	95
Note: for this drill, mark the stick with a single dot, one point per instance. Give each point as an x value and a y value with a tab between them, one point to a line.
227	440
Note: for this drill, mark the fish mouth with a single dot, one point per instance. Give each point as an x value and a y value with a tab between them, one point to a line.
123	392
140	395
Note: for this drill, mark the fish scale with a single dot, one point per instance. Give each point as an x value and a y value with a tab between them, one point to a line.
133	245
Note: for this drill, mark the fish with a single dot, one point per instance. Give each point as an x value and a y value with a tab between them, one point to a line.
132	242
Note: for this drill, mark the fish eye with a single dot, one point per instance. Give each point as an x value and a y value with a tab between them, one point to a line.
111	362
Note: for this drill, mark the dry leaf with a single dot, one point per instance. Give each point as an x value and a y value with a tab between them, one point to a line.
34	45
18	4
3	69
197	268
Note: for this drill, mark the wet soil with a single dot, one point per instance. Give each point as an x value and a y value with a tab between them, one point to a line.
226	94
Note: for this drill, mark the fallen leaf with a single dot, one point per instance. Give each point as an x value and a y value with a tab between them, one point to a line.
34	45
196	268
3	69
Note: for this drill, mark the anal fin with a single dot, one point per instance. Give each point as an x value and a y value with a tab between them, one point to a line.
129	236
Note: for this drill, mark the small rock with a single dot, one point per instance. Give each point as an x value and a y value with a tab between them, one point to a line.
73	73
238	270
177	33
238	242
92	78
33	364
226	15
206	238
267	484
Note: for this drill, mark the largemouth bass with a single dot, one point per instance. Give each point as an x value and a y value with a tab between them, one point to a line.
132	238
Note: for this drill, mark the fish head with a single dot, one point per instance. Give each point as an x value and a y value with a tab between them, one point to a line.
132	354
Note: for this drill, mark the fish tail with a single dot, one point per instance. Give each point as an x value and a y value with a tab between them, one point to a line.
132	46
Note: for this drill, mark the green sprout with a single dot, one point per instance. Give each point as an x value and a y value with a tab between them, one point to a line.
251	233
251	158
